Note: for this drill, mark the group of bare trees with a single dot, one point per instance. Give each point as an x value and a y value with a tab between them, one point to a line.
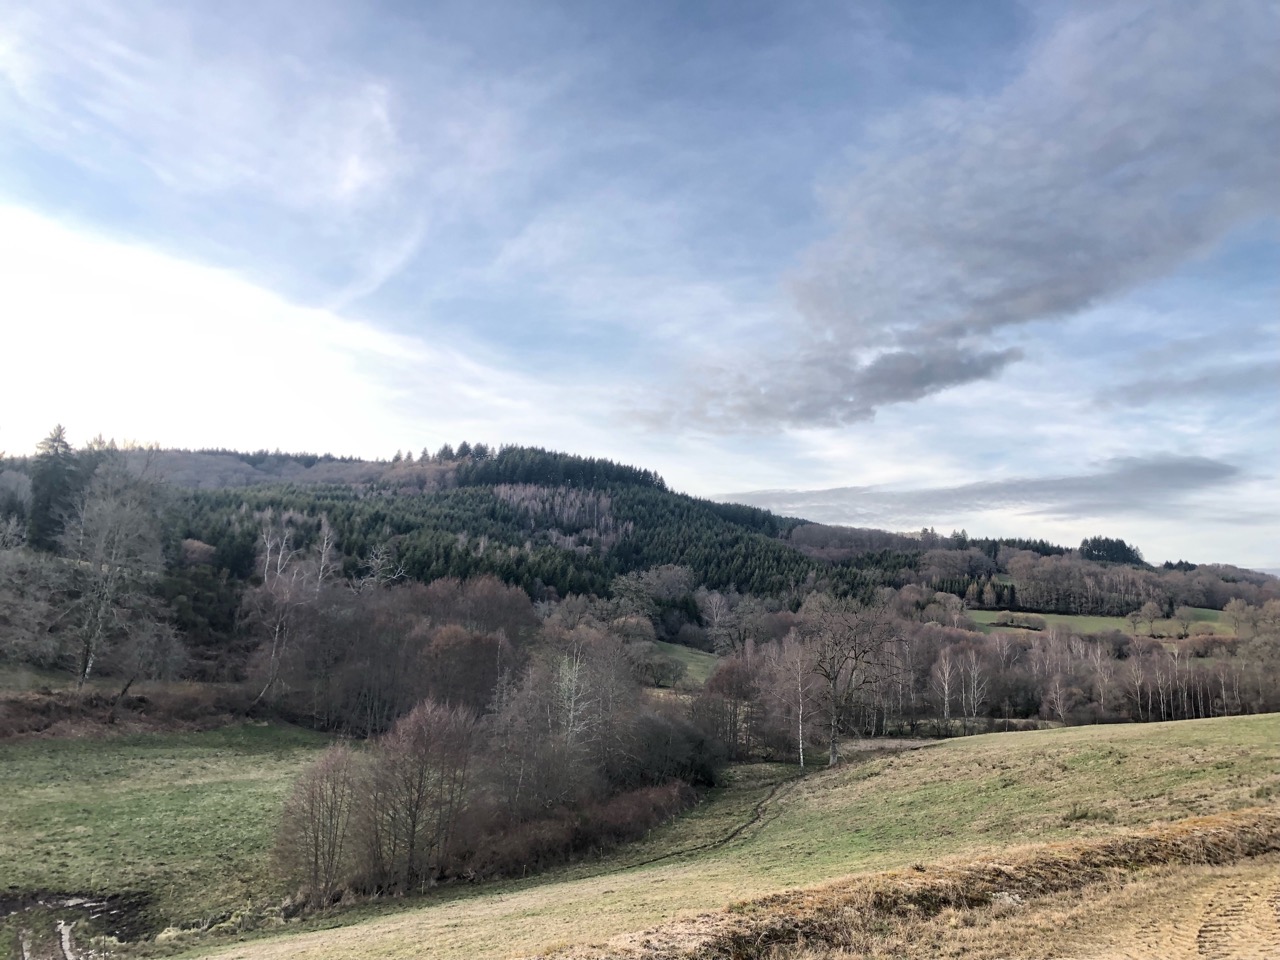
76	583
566	756
776	696
870	668
383	818
1071	585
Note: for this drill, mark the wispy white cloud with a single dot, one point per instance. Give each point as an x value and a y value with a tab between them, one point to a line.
609	260
1134	497
118	339
149	84
1139	134
599	232
1236	381
256	126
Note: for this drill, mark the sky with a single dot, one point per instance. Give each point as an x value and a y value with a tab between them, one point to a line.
1011	267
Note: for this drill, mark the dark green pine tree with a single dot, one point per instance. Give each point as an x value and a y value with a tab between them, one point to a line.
54	482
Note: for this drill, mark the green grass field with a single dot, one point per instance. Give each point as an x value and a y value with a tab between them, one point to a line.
698	664
959	798
1080	624
186	818
189	819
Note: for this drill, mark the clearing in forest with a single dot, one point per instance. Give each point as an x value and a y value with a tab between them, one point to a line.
1079	623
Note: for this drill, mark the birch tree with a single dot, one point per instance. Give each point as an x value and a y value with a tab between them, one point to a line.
945	682
974	694
113	541
792	669
291	578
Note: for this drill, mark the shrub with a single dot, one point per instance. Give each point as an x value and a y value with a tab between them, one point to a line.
313	849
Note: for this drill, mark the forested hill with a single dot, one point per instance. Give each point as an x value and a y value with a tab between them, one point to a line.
572	528
556	524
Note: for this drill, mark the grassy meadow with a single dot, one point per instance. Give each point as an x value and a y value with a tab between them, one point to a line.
698	664
186	818
959	798
985	621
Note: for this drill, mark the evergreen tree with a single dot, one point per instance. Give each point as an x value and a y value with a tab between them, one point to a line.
54	482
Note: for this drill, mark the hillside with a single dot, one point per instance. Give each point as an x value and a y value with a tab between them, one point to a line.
568	538
964	800
704	575
540	520
555	524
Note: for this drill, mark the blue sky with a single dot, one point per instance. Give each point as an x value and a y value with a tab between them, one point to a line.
1005	266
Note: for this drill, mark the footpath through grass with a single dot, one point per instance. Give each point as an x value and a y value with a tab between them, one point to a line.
959	798
187	818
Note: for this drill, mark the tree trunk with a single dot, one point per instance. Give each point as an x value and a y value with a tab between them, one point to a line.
111	714
833	756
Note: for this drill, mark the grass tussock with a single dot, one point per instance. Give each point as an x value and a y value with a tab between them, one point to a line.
1079	813
849	915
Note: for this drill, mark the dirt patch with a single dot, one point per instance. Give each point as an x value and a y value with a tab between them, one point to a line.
123	916
1242	920
72	927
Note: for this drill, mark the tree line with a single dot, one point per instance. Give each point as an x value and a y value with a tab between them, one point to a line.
922	671
551	540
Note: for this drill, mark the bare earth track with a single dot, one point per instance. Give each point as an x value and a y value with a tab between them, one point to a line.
1182	913
1235	918
1242	917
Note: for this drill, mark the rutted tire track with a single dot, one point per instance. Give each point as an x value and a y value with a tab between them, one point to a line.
757	815
1241	923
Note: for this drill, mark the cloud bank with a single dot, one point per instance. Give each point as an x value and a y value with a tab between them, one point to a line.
1138	136
1123	486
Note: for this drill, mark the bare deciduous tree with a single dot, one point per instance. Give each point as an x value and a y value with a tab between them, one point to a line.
1151	612
791	668
1185	616
1060	698
291	578
974	694
1134	617
313	844
945	681
420	781
113	542
849	640
30	582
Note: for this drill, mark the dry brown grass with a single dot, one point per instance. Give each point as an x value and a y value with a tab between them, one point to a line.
1160	913
885	914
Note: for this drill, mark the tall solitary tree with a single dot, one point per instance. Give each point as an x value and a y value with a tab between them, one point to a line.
54	483
849	640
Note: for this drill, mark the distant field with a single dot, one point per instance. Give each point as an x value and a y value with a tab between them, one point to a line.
188	818
985	620
698	664
960	797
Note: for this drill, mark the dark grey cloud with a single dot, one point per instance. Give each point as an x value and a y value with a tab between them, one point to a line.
1231	380
1138	135
836	390
1121	486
